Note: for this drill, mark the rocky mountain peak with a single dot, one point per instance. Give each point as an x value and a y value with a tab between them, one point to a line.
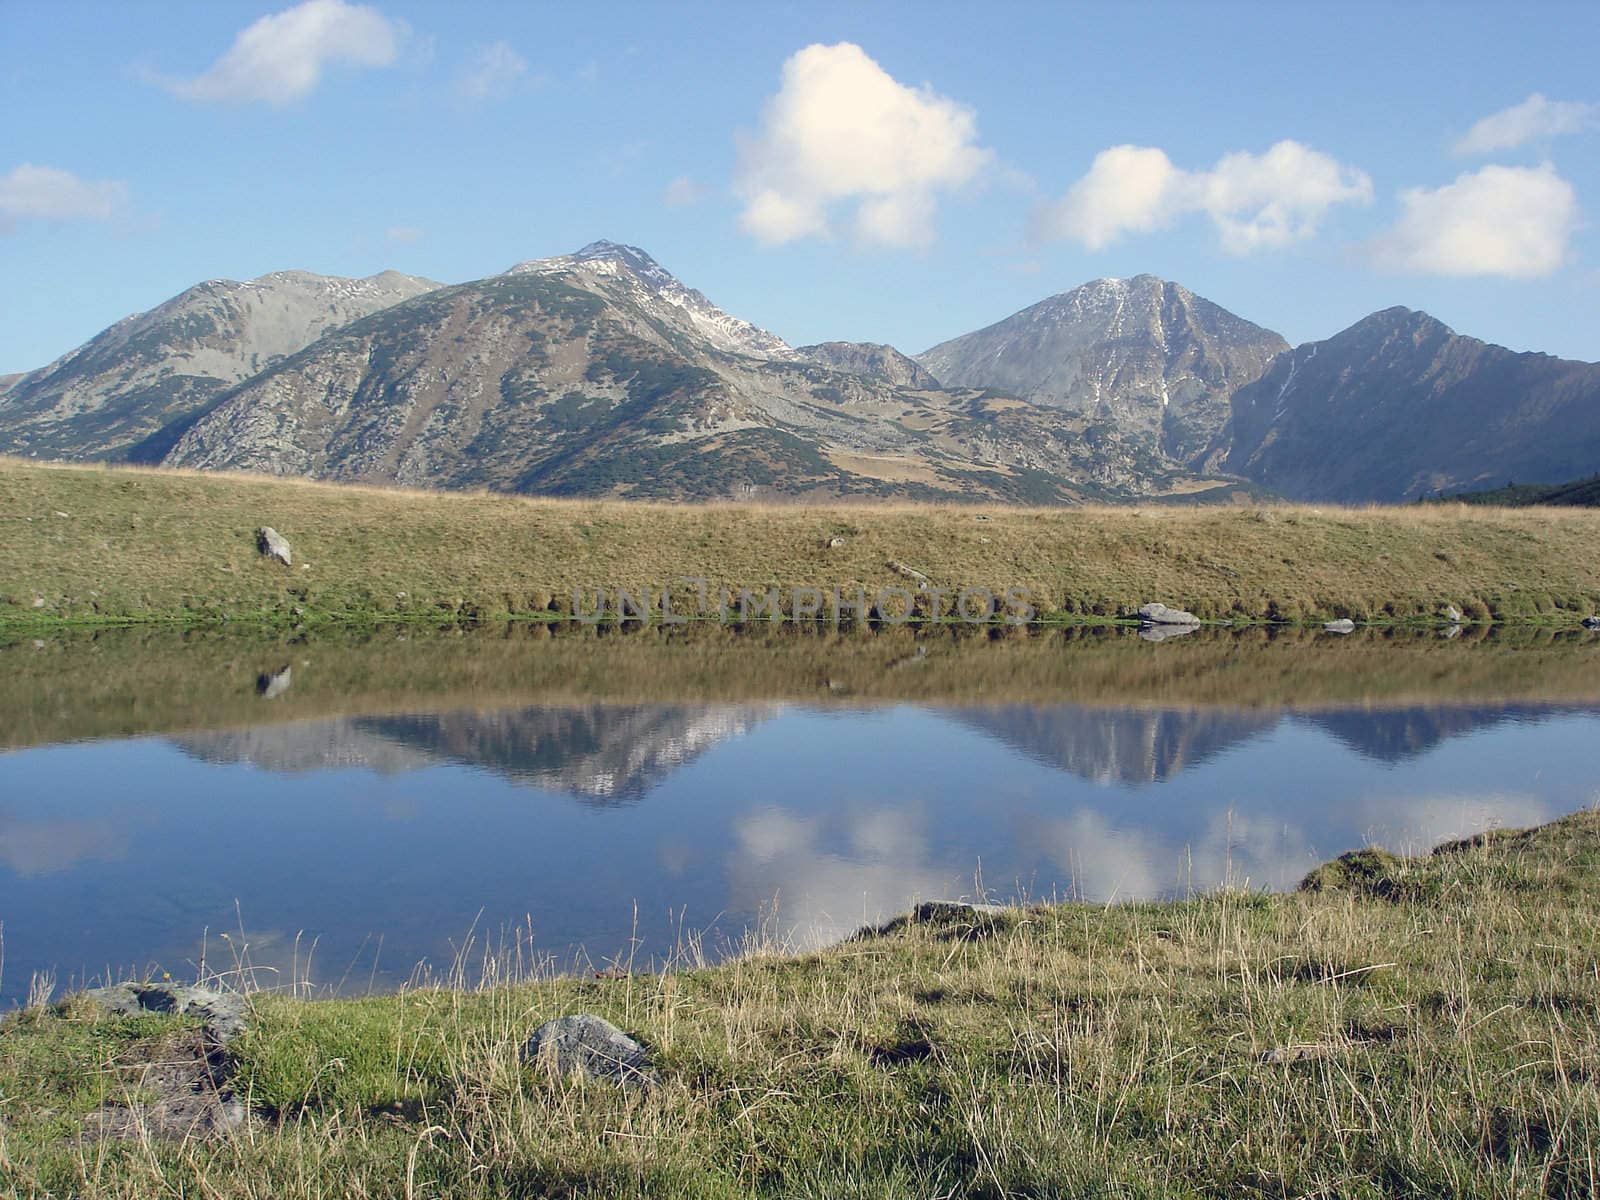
871	360
1399	319
621	271
1144	353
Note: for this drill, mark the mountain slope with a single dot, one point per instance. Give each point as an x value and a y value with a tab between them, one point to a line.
873	361
1398	405
598	373
1582	493
101	400
1149	356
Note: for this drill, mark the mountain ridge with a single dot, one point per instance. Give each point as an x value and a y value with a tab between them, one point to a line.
100	400
1398	405
600	373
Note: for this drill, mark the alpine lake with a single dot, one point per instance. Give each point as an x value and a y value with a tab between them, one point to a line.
345	812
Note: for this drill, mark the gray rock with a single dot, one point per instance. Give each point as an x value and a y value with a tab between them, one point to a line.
1160	614
1342	625
954	920
1165	633
1591	622
916	577
272	684
223	1013
835	542
1451	614
274	545
589	1046
1452	633
182	1093
935	911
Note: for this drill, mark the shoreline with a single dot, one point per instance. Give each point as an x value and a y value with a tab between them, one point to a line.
1190	1046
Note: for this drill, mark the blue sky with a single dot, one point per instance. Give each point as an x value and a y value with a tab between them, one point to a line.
881	172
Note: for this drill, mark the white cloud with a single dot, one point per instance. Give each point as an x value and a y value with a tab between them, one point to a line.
281	57
35	193
403	235
1534	119
682	192
1508	221
1256	201
1129	189
841	131
493	73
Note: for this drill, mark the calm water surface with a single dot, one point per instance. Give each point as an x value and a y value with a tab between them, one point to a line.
146	811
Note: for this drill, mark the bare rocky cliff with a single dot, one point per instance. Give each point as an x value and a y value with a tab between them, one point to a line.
104	398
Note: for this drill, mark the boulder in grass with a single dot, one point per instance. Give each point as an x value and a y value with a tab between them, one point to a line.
589	1046
1591	622
1451	614
223	1013
1342	625
274	545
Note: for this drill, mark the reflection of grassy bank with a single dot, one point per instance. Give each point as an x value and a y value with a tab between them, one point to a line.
97	545
1423	1027
125	682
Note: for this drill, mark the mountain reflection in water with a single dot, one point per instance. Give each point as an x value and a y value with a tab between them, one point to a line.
624	794
605	754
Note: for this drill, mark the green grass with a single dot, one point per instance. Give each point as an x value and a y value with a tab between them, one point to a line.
1408	1027
138	545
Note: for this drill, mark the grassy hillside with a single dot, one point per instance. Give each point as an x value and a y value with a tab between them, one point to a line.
1401	1027
99	544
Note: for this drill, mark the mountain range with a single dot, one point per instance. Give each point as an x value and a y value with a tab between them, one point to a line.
600	373
607	755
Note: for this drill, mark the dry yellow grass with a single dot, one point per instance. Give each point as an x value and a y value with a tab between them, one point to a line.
166	544
895	468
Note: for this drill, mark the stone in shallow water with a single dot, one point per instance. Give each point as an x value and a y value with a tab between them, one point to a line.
589	1046
1160	614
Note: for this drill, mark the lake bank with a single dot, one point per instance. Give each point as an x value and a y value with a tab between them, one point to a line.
80	685
106	546
1418	1026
